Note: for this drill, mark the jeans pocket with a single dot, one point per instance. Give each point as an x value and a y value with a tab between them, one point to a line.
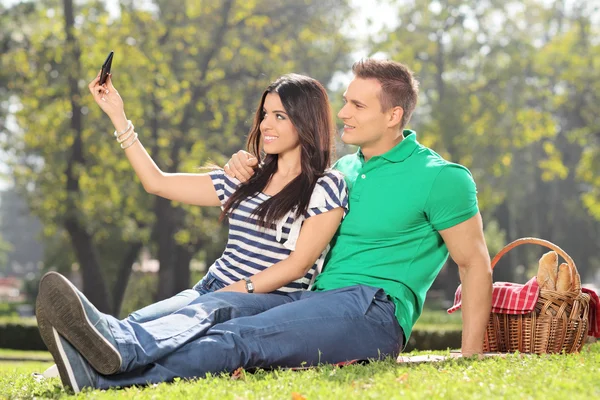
216	284
381	309
206	284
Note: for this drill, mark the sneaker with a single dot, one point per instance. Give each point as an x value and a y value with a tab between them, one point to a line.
75	372
62	307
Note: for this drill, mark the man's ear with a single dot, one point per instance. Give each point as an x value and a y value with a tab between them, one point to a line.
395	114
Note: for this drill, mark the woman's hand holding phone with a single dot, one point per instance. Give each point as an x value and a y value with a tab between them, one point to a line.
109	100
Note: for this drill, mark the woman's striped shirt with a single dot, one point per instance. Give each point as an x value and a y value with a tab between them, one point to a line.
251	248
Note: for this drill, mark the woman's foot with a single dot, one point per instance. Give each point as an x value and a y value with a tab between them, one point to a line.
62	307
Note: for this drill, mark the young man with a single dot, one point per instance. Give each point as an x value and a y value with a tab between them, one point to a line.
408	209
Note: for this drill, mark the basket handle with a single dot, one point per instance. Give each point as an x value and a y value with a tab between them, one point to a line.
545	243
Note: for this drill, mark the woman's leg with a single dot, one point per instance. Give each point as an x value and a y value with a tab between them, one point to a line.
140	344
157	310
164	307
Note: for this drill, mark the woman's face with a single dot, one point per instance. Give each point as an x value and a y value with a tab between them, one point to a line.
278	134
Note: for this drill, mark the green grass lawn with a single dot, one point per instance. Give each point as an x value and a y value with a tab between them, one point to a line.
24	354
575	376
439	320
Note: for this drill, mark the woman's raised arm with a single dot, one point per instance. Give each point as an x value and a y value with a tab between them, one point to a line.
195	189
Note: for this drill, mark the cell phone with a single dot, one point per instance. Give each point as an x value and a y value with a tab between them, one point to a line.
106	68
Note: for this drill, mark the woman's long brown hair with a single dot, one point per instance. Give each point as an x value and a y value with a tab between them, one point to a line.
306	103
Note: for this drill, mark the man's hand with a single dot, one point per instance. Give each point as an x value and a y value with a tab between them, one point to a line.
241	166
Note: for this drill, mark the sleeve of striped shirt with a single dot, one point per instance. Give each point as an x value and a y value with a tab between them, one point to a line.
330	192
224	185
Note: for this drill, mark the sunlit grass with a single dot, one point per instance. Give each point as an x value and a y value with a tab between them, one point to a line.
573	376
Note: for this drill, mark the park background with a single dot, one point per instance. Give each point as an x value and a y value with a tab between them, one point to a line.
509	89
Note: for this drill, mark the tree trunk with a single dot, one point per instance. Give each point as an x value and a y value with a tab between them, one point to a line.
118	292
174	274
165	231
183	257
93	283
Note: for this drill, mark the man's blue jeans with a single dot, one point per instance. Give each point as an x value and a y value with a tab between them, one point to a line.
208	284
220	332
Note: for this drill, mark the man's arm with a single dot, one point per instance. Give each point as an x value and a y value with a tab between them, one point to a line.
467	248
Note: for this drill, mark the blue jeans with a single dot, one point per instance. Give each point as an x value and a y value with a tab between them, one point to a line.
208	284
220	332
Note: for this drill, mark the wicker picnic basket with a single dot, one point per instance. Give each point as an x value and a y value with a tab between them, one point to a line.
558	324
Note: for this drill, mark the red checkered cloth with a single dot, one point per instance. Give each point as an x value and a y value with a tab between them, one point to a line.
507	297
515	298
594	319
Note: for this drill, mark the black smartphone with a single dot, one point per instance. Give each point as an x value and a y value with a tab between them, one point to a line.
106	68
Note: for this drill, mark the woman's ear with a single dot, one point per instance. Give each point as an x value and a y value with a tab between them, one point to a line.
396	114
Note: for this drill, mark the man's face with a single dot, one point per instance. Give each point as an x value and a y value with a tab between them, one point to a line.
364	122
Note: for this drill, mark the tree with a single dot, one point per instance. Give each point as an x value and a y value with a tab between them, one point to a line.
5	249
501	87
21	233
16	230
219	72
190	74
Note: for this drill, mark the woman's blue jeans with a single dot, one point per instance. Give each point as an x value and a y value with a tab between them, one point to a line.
208	284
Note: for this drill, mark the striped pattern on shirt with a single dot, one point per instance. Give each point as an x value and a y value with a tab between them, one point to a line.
251	248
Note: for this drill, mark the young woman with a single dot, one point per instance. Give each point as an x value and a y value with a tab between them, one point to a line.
282	219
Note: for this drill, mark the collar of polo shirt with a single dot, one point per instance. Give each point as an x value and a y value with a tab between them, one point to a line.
401	151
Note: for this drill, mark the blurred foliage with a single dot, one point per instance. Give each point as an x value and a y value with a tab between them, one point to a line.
508	88
142	289
8	310
191	74
495	236
20	232
140	292
5	248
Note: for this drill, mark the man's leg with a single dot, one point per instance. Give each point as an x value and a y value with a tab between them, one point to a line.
322	327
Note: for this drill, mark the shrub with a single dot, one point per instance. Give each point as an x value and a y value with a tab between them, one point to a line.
429	339
20	334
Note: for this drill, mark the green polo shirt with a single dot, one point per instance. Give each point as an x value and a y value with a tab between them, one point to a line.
398	203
